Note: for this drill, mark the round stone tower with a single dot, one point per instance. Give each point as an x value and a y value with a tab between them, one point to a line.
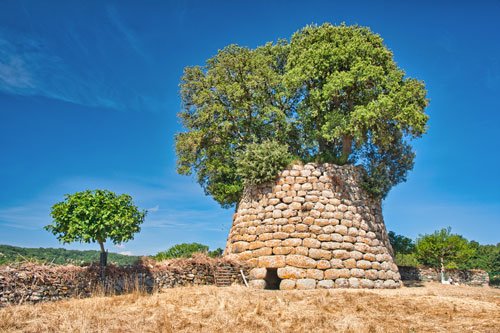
313	228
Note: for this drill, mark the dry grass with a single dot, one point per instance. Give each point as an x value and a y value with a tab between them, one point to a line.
433	308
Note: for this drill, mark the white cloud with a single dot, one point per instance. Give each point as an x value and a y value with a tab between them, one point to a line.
153	209
126	253
28	67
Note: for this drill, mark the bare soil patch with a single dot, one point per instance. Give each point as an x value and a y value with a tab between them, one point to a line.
431	308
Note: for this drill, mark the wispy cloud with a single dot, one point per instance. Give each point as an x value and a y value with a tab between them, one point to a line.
29	67
126	32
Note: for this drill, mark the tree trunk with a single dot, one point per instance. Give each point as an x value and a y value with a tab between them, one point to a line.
103	260
346	147
442	270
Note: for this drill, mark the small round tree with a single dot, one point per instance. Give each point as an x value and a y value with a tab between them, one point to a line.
443	249
94	217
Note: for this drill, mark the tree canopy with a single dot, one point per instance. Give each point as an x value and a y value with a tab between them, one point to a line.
443	249
329	94
96	216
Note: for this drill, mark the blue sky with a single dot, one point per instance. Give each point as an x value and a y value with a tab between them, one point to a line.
89	96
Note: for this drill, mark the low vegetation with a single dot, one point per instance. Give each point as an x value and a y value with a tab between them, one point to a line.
432	308
10	254
450	250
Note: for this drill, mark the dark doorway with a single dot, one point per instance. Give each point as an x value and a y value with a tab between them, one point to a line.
272	279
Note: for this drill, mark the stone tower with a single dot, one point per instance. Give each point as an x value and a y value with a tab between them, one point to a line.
313	228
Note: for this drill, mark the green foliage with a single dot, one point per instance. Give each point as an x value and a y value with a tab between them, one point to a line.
262	162
184	250
409	259
11	254
401	244
95	216
216	253
442	248
332	93
486	257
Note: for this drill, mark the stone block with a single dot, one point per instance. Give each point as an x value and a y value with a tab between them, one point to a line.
239	247
272	261
342	283
300	261
272	242
336	273
287	284
325	284
324	238
292	242
289	272
341	230
257	273
306	284
263	251
341	254
257	284
283	250
371	274
353	282
337	263
311	243
320	254
281	235
357	272
316	274
364	264
323	264
349	263
301	250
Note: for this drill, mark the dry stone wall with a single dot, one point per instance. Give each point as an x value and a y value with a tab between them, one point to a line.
474	277
38	283
313	228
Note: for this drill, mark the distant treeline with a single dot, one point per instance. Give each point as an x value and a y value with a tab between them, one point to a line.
9	254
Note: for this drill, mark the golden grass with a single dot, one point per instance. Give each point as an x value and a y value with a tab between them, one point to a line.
433	308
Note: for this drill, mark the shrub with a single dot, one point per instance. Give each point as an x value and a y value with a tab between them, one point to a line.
262	162
184	250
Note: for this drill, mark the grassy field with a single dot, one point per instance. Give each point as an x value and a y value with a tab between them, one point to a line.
431	308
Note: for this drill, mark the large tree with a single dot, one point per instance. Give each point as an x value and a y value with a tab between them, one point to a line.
94	217
330	94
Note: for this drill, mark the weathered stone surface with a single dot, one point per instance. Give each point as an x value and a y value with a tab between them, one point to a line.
272	261
316	218
257	284
323	264
304	284
320	254
325	284
289	272
311	243
257	273
354	282
300	261
287	284
316	274
334	274
283	250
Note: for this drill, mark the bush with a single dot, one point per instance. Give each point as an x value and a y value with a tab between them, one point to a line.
184	250
262	162
402	259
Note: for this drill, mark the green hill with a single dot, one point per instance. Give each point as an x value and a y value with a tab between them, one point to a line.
9	254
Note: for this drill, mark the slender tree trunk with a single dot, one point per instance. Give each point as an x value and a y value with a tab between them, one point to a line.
442	270
103	261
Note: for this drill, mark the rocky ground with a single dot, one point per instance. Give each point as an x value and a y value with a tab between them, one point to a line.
422	308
